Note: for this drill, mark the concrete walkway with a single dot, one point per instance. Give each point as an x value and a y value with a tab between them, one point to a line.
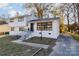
65	46
31	44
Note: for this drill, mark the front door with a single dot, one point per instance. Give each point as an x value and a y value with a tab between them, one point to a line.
32	26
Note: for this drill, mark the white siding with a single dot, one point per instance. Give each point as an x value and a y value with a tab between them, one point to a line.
15	32
54	32
17	24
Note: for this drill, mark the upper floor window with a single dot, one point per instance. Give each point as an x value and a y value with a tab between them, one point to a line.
11	21
20	20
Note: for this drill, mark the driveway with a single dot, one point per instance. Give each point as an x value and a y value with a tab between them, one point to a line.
65	46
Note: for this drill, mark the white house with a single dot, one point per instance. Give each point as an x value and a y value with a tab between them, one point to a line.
18	24
47	27
28	26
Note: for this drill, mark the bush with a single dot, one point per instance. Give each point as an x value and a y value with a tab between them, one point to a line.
6	32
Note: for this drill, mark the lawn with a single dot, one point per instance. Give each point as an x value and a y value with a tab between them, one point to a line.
8	48
75	36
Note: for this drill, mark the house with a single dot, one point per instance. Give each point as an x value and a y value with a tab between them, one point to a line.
45	27
29	26
18	24
4	28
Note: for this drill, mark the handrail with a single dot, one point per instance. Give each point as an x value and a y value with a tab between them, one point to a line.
37	51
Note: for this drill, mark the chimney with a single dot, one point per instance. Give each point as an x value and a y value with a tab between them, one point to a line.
17	14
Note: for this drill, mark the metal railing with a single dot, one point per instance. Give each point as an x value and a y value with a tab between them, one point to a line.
37	51
42	51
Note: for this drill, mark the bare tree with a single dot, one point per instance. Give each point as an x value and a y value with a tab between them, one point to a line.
74	12
67	8
40	9
77	6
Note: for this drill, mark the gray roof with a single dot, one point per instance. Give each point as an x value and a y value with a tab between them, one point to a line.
39	19
19	17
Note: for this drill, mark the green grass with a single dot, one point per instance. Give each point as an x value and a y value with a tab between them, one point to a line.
7	48
75	36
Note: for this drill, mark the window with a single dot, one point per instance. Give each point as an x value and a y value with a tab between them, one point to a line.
44	26
20	20
21	28
11	21
12	28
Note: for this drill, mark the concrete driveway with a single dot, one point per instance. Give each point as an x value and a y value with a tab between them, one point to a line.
65	46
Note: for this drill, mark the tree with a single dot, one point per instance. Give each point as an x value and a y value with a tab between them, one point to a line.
58	12
40	9
74	12
67	11
77	5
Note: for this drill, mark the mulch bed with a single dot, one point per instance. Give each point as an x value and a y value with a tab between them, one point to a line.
46	41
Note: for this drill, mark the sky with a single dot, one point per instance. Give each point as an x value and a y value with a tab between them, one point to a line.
11	9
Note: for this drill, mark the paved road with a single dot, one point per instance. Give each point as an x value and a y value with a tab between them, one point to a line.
66	46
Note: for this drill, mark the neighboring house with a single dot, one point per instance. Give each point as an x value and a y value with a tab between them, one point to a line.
48	27
4	28
18	24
